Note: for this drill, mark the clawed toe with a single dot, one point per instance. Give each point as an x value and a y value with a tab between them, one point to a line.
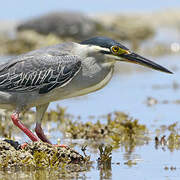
61	145
23	145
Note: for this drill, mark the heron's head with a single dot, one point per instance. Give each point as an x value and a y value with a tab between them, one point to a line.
114	50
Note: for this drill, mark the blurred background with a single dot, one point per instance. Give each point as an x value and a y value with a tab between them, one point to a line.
33	24
151	28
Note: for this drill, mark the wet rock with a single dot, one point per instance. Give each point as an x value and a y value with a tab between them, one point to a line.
38	154
10	157
63	24
14	144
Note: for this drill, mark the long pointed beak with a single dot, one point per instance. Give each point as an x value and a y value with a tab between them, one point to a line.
135	58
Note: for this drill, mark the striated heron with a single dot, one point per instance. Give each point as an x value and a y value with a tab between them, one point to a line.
59	72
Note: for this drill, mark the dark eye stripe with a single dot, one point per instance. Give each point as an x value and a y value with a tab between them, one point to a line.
105	52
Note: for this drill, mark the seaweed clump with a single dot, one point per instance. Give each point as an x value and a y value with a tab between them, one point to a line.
172	142
104	161
105	156
118	129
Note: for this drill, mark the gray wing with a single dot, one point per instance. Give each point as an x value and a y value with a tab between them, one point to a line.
42	73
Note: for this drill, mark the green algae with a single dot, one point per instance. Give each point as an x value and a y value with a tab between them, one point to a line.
119	129
172	141
130	163
104	161
116	129
105	155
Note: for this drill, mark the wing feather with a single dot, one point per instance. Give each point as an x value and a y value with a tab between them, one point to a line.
39	73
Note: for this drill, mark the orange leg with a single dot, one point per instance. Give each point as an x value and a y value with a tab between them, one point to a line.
19	124
40	133
38	130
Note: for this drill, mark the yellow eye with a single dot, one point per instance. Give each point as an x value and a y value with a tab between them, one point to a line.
115	49
118	50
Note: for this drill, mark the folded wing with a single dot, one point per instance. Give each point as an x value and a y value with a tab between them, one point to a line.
38	73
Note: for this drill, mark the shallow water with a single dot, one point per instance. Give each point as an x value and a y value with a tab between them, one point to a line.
128	92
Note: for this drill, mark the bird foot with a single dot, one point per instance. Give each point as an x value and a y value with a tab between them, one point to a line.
60	145
23	145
